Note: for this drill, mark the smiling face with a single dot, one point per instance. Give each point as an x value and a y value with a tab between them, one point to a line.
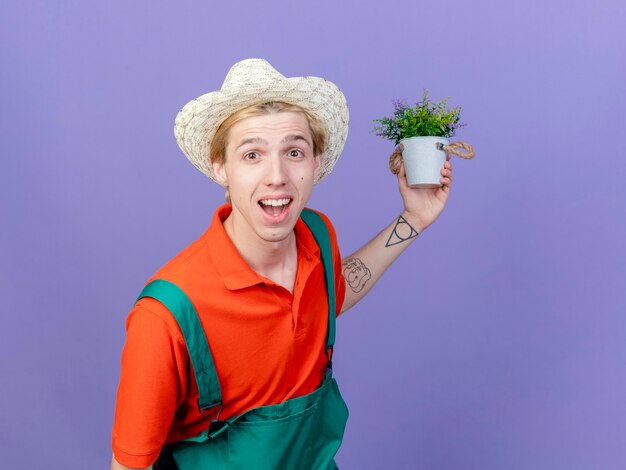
269	170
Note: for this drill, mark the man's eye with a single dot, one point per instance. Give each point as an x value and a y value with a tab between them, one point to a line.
250	156
296	153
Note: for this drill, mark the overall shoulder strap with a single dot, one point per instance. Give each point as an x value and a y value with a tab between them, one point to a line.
322	237
177	302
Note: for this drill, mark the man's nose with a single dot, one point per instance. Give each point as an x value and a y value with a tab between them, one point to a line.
276	171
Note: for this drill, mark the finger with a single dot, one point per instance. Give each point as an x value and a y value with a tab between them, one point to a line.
446	184
448	156
402	182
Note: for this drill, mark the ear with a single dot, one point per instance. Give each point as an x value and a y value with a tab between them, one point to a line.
220	174
318	165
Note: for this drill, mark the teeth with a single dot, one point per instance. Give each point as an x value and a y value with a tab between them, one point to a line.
275	202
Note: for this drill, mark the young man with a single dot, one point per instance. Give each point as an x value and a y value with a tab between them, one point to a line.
227	362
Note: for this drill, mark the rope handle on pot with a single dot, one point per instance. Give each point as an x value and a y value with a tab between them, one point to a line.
454	148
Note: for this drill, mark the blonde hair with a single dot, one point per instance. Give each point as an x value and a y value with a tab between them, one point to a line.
218	145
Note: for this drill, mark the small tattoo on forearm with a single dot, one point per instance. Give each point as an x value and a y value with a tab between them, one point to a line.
401	232
356	274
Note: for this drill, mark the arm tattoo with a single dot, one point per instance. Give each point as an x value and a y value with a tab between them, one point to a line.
356	274
401	232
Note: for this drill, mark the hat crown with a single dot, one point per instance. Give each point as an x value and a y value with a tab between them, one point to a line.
251	71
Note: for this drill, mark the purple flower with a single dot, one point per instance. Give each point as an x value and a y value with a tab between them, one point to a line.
399	105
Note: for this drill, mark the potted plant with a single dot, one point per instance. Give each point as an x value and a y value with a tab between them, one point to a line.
422	133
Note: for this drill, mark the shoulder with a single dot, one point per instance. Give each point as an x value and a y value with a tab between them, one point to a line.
150	319
149	315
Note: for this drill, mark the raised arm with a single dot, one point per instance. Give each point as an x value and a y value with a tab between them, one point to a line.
362	269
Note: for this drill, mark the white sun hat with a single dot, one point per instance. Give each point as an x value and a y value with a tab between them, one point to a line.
255	81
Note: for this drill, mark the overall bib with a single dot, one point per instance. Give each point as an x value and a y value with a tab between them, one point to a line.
302	433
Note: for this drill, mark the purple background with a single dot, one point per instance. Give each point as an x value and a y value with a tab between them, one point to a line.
498	341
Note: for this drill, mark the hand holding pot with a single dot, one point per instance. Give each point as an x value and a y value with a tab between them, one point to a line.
422	206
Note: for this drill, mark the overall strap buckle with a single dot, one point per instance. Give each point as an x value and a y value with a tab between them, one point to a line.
329	354
216	426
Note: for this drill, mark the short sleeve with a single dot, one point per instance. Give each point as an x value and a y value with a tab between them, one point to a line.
152	384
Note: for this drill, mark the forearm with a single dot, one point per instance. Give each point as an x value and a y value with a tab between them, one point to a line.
365	267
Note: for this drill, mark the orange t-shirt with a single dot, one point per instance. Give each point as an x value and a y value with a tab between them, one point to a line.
268	345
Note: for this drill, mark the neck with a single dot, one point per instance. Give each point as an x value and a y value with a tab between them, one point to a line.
274	260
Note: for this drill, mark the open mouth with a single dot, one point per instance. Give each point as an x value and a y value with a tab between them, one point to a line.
275	207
